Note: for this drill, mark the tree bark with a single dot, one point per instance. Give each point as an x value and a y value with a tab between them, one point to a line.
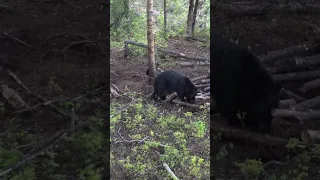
189	20
150	34
195	9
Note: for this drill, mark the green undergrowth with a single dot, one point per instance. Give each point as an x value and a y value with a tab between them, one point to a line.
144	136
299	164
80	155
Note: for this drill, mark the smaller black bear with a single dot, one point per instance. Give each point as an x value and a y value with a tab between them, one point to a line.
171	81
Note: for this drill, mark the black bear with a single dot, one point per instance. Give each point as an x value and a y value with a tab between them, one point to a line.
158	71
171	81
242	88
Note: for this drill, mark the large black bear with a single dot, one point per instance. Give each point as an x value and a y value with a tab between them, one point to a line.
241	85
171	81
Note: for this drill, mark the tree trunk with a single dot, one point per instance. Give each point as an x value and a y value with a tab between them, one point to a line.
189	21
150	34
165	16
194	17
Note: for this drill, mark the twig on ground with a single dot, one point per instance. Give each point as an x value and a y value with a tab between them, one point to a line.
122	108
185	104
16	39
165	165
38	105
130	141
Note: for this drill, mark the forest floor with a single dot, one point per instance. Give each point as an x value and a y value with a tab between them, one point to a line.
59	51
186	136
263	34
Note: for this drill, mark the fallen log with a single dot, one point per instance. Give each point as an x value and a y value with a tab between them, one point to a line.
296	76
287	103
308	86
200	78
297	64
202	85
288	94
308	60
173	53
310	136
287	69
313	103
287	52
205	80
254	8
297	115
202	97
243	135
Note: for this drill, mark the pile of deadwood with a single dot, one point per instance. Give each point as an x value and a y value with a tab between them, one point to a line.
202	83
297	68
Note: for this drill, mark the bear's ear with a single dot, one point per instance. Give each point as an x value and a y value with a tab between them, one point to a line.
278	86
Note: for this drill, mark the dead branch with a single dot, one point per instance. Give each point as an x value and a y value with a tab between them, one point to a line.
173	53
165	165
38	105
13	97
185	104
74	43
55	108
313	103
288	94
287	103
310	85
172	96
202	85
113	92
129	141
287	52
310	136
243	135
297	115
296	76
16	39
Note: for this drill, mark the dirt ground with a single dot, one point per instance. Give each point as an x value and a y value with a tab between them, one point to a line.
58	49
130	73
263	34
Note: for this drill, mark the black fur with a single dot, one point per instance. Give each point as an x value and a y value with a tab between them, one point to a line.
171	81
241	84
158	72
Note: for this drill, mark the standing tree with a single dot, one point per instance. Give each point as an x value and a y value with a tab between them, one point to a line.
165	15
189	20
195	9
150	34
